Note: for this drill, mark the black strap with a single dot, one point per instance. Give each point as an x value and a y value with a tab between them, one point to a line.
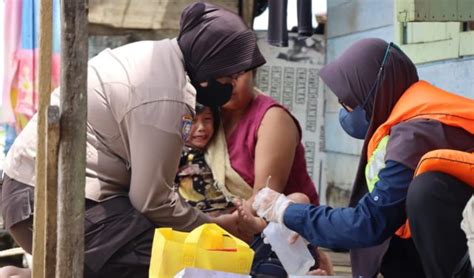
464	268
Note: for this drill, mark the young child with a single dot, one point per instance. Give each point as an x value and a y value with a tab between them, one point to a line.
197	186
194	179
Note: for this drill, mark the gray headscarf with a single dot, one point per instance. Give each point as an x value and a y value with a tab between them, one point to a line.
216	42
351	76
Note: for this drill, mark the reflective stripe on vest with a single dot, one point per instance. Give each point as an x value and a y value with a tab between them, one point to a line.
376	163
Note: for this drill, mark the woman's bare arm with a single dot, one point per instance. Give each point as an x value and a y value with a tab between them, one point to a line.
277	139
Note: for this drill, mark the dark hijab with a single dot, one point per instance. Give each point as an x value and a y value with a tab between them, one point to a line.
350	78
216	43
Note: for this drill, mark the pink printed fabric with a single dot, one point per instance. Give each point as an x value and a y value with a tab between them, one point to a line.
26	81
241	146
11	42
21	36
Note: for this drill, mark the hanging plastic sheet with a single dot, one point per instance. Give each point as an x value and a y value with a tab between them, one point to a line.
305	26
11	44
20	94
277	29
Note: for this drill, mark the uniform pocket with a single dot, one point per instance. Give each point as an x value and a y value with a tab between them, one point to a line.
17	206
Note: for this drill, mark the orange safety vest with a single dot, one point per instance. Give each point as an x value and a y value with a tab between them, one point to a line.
425	101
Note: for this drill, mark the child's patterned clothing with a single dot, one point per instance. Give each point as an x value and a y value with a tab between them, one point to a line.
196	183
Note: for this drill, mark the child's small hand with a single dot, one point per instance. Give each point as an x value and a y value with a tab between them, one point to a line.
325	264
317	272
228	222
249	224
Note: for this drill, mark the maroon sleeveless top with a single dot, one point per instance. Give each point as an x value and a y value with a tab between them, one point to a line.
241	146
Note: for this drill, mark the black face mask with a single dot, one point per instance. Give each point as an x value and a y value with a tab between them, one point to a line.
215	94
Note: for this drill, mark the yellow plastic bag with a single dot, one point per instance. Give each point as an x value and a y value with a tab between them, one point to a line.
208	247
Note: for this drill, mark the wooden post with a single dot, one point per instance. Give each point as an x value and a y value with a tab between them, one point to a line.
247	11
45	42
72	146
52	143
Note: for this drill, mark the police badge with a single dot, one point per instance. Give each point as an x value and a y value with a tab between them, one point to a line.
186	123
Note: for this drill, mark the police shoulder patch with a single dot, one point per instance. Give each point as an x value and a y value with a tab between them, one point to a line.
186	123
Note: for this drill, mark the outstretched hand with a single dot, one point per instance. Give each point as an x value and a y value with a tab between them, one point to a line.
228	222
249	224
239	224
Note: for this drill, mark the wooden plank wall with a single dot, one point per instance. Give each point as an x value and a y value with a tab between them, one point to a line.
353	16
455	75
144	14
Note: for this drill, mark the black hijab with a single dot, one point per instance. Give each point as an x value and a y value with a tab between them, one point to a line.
350	78
216	42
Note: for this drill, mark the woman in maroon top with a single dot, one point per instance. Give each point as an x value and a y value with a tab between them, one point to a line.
263	140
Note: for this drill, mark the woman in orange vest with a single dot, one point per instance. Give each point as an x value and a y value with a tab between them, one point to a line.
400	120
